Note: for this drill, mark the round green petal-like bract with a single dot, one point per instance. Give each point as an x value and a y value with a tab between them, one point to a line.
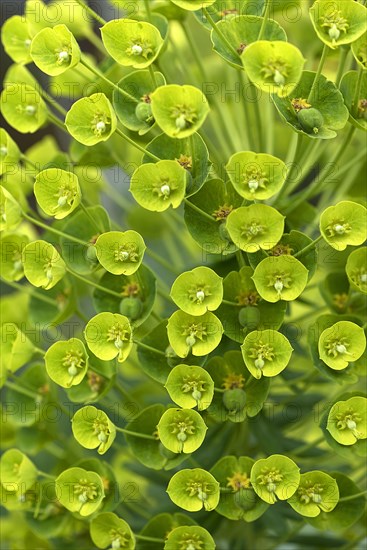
18	473
23	108
92	428
275	67
91	120
280	278
317	492
341	344
190	386
256	176
359	50
199	334
266	352
55	50
344	224
193	490
67	362
255	227
347	420
179	110
157	186
197	291
275	477
356	269
108	335
338	22
10	212
16	348
191	536
80	491
11	246
107	530
9	152
120	253
16	39
43	265
193	5
132	43
181	430
57	192
242	502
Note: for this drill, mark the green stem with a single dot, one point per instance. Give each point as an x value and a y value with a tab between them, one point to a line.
217	30
100	75
152	76
342	60
96	42
26	160
52	101
309	247
57	122
157	258
55	231
81	316
149	348
149	539
135	434
318	73
93	284
352	497
198	210
91	12
265	20
307	446
90	217
148	10
30	291
20	389
43	474
137	146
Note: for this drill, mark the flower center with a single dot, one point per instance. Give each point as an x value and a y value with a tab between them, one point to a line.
270	478
198	293
238	481
233	381
73	360
310	493
119	539
194	385
336	347
118	335
198	489
86	491
140	48
334	24
254	178
184	116
299	104
261	353
279	281
100	123
63	56
121	254
101	430
276	70
193	332
349	420
252	229
182	427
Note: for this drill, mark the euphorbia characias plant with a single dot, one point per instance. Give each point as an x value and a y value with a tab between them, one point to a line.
183	262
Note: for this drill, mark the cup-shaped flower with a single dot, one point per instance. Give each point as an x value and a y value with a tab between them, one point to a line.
193	490
275	477
344	224
91	120
317	492
193	5
92	428
275	67
198	291
356	269
190	386
10	212
181	430
179	110
16	348
16	39
57	192
43	265
23	108
67	362
255	227
107	530
55	50
347	420
341	344
196	334
18	473
338	22
11	246
280	278
190	536
80	491
109	335
120	253
158	186
9	152
132	43
256	176
266	352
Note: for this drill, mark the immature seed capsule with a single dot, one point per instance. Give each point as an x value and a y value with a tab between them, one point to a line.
338	228
101	127
234	400
116	544
340	348
3	150
83	498
279	78
166	190
143	111
136	49
351	424
259	363
131	307
63	56
311	120
30	110
278	285
181	122
334	32
62	200
190	340
102	437
253	185
200	295
196	394
73	371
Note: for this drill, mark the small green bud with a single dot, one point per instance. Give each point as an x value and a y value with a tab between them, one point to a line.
131	307
234	400
143	112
